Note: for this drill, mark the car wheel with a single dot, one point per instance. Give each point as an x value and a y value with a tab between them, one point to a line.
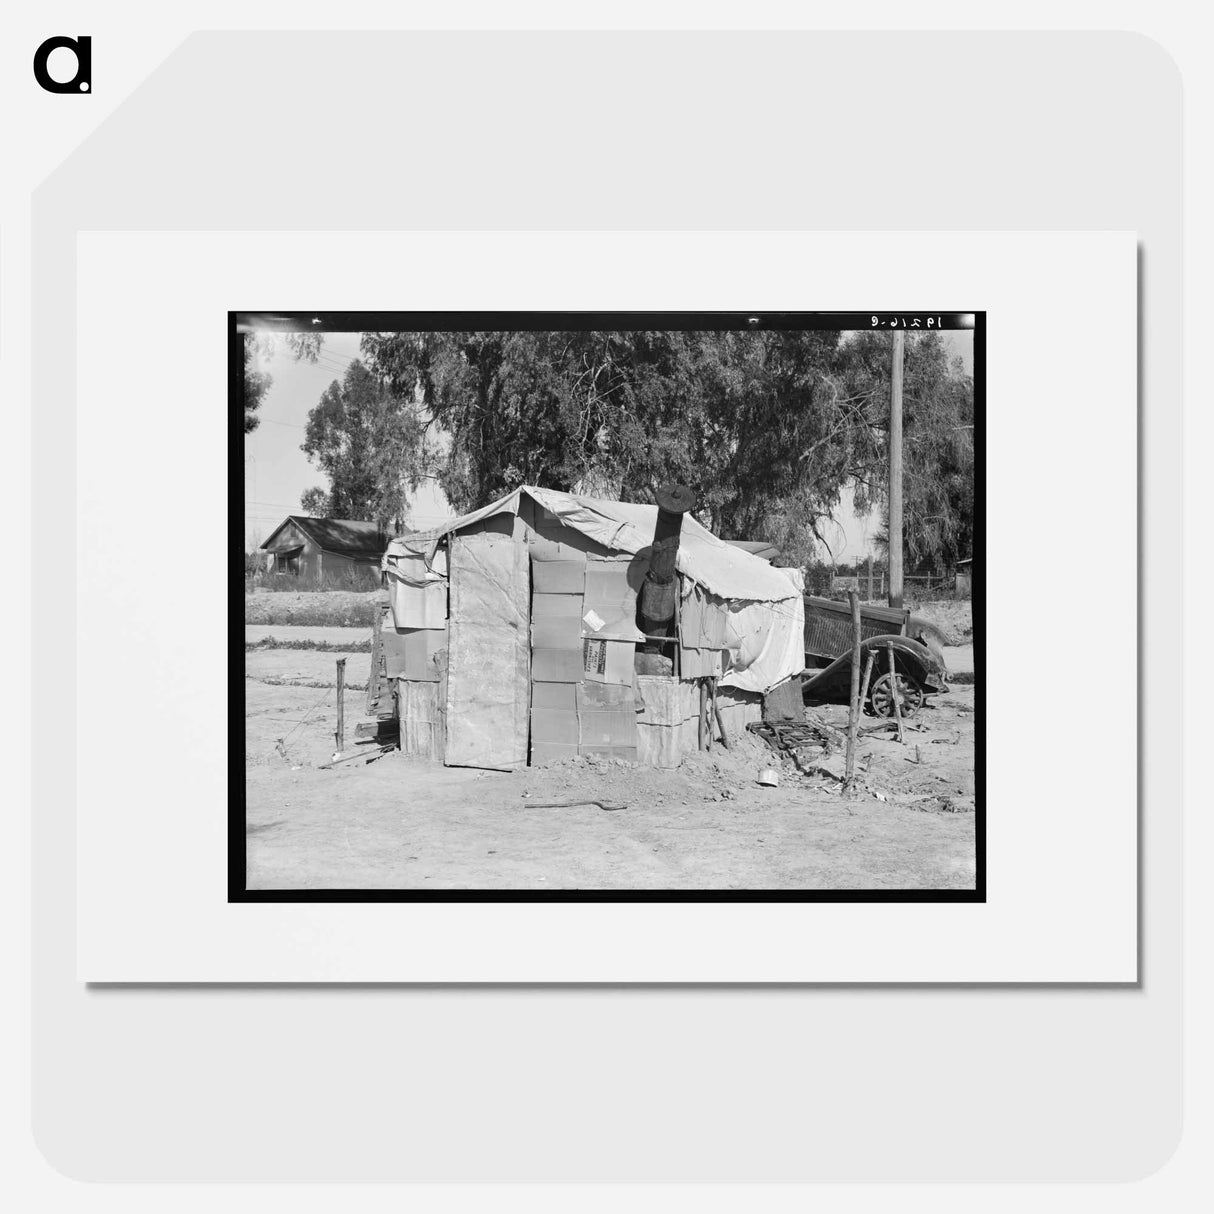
881	696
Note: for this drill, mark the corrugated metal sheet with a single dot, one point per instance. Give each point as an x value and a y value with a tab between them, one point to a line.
419	719
669	707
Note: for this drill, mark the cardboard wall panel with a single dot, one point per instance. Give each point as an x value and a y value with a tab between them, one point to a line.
556	606
556	665
554	725
608	661
488	675
409	653
559	577
559	696
557	633
550	752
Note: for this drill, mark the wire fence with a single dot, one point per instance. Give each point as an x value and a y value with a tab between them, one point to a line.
826	582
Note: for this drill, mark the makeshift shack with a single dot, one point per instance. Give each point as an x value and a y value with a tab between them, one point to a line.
546	626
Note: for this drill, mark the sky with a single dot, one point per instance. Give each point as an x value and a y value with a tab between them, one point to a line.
277	471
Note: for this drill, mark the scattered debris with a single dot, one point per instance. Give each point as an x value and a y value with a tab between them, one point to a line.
570	804
957	805
800	741
382	729
366	756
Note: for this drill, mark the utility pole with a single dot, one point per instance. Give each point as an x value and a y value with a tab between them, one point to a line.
895	473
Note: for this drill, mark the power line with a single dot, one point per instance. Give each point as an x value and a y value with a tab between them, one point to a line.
334	354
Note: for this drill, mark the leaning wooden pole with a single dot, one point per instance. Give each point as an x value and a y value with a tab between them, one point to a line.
853	704
895	695
895	472
868	674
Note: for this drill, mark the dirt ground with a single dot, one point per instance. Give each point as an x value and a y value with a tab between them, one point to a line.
306	667
404	823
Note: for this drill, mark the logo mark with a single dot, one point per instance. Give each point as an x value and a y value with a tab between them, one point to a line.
82	48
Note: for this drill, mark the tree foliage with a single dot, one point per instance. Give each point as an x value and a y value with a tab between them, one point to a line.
315	503
770	428
369	443
937	445
259	349
256	382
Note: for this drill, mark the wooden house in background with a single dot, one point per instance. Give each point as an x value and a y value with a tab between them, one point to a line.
332	551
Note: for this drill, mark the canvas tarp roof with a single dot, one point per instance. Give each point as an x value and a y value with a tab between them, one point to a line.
722	569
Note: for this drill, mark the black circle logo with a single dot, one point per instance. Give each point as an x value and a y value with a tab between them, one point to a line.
82	81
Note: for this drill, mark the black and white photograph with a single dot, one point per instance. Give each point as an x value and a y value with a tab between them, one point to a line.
607	606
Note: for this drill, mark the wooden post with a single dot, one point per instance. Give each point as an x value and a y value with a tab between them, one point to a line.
377	652
853	708
893	689
703	699
716	712
895	472
340	732
870	577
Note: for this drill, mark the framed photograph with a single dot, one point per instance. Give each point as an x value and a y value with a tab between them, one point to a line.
607	606
585	573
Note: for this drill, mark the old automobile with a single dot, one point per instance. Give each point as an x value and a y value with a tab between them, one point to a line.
903	654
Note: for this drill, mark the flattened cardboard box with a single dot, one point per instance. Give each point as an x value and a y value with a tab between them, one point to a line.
550	752
554	725
559	697
556	666
608	661
560	633
610	729
409	653
605	697
558	577
627	753
546	606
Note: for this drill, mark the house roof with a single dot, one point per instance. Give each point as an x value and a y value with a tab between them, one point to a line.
341	536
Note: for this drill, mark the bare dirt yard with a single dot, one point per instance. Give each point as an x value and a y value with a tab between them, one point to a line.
404	823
